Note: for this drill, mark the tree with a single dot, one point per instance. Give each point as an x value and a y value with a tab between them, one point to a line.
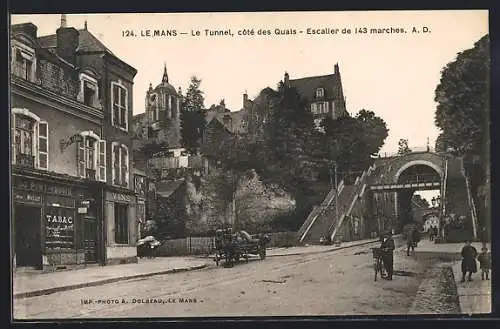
403	148
463	101
192	116
374	130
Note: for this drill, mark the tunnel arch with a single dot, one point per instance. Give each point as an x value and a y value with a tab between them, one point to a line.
413	163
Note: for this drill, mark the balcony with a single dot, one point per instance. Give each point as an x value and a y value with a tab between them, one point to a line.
25	160
90	174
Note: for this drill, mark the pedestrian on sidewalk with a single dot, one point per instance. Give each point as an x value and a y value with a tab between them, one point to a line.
484	259
469	265
388	247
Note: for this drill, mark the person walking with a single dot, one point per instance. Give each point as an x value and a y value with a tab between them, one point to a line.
469	265
388	247
484	259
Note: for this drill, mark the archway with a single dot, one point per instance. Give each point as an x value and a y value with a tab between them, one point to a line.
416	176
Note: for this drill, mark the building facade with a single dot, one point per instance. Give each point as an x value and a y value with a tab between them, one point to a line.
324	94
70	106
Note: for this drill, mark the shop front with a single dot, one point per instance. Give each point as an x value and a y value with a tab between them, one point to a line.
49	224
121	219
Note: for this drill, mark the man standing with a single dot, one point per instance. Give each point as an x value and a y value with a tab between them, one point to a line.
388	247
469	265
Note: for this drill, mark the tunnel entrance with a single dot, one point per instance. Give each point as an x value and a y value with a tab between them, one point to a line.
418	194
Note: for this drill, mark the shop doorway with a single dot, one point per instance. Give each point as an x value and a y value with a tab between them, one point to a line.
90	240
27	232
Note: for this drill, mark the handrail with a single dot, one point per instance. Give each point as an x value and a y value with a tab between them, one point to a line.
471	202
313	215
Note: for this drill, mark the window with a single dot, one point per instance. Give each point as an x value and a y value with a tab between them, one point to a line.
319	108
24	63
320	92
91	157
120	105
88	94
120	165
121	223
24	140
30	139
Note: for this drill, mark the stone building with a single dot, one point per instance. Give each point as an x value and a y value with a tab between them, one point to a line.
162	115
73	203
323	94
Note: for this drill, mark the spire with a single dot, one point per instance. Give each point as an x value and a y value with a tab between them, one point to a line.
165	75
63	20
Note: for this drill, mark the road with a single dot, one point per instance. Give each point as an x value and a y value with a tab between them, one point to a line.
334	283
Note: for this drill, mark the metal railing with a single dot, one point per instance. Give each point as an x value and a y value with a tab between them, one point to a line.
25	160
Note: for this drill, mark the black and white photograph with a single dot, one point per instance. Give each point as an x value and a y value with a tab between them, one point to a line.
250	164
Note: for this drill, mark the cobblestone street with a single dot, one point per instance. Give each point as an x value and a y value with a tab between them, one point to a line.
336	283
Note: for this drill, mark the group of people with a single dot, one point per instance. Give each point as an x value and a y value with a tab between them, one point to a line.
469	256
469	264
433	233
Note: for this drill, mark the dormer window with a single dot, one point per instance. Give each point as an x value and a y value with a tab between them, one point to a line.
88	90
320	92
23	61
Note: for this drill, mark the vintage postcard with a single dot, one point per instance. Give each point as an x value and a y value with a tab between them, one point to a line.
250	164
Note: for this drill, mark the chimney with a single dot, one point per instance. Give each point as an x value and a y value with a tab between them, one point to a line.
63	20
28	28
67	43
245	98
336	69
287	80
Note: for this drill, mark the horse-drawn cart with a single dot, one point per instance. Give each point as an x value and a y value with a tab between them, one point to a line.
234	247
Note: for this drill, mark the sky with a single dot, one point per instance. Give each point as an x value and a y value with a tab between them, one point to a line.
393	74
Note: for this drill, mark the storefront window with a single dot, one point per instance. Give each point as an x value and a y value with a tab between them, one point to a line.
121	223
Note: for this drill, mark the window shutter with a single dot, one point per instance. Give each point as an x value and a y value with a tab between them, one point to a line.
80	158
43	145
102	160
13	137
113	164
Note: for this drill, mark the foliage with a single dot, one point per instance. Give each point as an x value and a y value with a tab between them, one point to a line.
417	200
403	147
463	101
192	116
374	131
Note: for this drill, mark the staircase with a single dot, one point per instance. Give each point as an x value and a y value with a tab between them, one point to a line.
326	218
457	198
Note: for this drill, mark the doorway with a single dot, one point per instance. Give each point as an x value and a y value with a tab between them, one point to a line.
28	241
90	240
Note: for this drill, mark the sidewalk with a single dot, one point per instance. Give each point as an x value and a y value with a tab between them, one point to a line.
474	296
30	285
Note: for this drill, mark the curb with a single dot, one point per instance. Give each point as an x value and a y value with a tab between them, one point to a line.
49	291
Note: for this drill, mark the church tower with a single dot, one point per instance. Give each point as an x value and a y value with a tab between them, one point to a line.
163	108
